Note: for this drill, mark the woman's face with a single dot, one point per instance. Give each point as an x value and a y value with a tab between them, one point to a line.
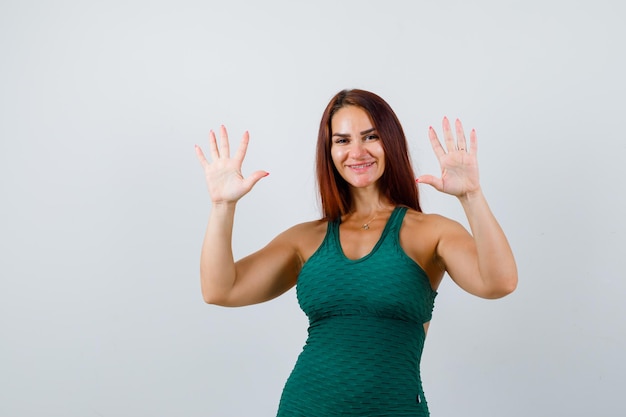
356	149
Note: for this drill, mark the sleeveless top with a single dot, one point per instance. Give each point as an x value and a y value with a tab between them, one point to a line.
366	335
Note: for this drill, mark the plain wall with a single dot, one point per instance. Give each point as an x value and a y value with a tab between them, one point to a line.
103	204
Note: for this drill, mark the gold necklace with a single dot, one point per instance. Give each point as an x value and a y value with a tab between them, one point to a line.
366	226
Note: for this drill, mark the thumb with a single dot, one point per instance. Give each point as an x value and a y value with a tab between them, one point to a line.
255	177
431	180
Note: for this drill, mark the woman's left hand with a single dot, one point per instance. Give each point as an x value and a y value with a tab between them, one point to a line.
459	165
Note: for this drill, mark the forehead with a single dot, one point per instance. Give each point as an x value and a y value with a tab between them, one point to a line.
350	118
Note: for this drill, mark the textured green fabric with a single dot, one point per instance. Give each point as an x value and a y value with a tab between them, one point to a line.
366	333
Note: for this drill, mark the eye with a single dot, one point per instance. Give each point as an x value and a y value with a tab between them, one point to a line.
339	140
371	137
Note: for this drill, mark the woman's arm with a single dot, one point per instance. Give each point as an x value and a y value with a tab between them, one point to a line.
481	263
257	277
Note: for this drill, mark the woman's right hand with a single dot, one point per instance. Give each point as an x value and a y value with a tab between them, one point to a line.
223	174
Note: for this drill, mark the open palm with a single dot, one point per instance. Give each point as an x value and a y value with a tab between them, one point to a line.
459	166
223	175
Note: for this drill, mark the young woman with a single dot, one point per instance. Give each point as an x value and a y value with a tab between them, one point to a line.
366	273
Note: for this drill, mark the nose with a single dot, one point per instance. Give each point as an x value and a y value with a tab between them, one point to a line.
358	149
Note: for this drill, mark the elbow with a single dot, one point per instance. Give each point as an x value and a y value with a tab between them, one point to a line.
209	298
214	290
505	286
213	296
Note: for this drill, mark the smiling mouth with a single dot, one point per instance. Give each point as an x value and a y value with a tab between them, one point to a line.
361	166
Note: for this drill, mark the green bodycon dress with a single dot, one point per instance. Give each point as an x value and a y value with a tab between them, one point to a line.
366	334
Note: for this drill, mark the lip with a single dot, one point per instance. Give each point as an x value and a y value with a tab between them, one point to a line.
362	166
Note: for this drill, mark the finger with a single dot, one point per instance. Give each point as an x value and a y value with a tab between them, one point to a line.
201	157
431	180
434	142
473	142
243	147
215	153
448	136
255	177
460	136
224	145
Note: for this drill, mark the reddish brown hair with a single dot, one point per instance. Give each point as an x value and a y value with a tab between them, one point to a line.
397	182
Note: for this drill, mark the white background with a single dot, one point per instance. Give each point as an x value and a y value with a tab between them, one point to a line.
103	204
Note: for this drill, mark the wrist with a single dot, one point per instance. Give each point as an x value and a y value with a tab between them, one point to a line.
223	206
470	196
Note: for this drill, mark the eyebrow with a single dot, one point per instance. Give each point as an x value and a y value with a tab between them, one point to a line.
345	135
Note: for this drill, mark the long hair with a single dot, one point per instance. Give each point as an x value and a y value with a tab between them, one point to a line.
398	180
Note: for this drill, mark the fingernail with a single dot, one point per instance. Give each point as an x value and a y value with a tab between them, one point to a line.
417	180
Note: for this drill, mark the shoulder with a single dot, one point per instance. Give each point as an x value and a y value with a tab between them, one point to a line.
424	229
305	237
433	228
438	233
305	229
422	236
435	223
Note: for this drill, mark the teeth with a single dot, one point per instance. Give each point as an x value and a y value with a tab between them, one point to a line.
361	166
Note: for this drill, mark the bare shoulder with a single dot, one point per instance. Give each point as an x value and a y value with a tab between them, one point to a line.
420	234
430	224
305	237
420	237
306	229
419	219
433	229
